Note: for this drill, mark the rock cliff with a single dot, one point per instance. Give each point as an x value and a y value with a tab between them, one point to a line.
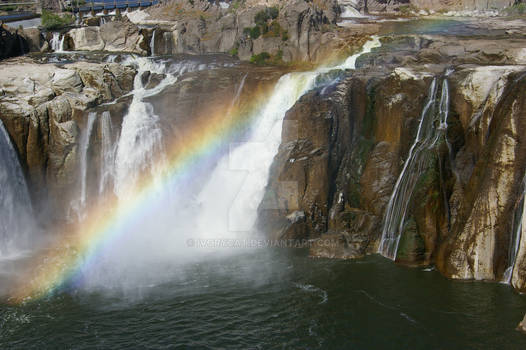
405	6
342	162
43	107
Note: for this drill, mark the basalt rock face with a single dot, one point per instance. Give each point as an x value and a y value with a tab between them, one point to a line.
12	43
47	110
44	109
296	30
198	96
114	36
343	151
382	6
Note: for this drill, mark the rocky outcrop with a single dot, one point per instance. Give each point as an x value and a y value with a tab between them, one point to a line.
11	43
114	36
296	30
414	6
53	5
343	152
44	107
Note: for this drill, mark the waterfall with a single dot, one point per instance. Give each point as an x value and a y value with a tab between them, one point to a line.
350	12
427	136
107	157
57	42
141	137
515	239
16	213
219	201
79	204
152	44
168	40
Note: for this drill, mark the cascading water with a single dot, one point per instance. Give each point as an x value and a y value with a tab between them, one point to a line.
79	204
16	213
107	158
141	136
168	40
515	239
224	206
57	42
426	139
350	12
152	43
349	9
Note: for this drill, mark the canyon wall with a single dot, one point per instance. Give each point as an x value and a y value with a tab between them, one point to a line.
288	31
397	6
339	168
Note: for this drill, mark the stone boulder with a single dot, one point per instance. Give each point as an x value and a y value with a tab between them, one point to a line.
12	43
115	36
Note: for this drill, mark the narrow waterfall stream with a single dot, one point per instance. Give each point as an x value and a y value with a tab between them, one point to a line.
79	204
16	213
428	134
516	235
57	42
152	44
107	159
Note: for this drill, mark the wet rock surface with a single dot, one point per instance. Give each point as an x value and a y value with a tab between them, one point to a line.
343	151
44	109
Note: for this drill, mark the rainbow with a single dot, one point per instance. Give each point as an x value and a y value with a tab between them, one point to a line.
75	251
202	142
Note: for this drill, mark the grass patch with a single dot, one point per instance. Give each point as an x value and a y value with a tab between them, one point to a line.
54	21
406	10
517	9
234	51
260	59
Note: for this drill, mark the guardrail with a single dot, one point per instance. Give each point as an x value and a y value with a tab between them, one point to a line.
116	5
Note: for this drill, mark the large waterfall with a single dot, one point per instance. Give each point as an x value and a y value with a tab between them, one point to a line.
429	133
221	205
16	214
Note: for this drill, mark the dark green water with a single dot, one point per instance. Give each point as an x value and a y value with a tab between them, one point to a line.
274	299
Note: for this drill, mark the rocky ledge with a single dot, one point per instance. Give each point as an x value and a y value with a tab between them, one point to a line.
43	107
344	149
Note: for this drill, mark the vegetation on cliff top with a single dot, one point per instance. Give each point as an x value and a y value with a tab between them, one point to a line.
51	20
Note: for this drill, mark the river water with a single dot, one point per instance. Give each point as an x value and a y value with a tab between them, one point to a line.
276	299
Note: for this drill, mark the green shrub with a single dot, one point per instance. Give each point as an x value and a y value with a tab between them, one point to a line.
255	32
53	21
264	15
234	51
273	12
517	9
405	9
260	59
285	35
261	17
235	5
275	29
